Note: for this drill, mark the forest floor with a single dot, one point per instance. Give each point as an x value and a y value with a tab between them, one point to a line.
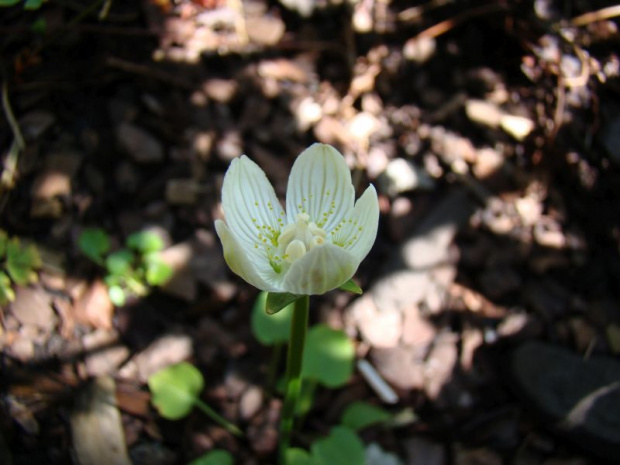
491	306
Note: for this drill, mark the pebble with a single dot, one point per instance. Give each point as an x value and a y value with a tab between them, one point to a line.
140	145
401	175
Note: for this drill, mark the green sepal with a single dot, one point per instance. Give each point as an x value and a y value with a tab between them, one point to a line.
277	301
350	286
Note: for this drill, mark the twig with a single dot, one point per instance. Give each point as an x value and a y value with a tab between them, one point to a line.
7	180
147	71
448	24
604	13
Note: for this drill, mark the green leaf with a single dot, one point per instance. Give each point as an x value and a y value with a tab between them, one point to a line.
9	2
33	4
270	329
157	272
117	295
214	457
360	415
328	356
94	243
21	262
350	286
4	239
145	242
7	294
295	456
119	262
342	446
175	389
277	301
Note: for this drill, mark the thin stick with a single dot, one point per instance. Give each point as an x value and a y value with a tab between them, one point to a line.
592	16
299	326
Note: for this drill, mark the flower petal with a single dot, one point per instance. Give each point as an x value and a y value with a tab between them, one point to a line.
358	235
250	204
247	265
320	185
322	269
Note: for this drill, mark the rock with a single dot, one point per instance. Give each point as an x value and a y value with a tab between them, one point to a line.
422	451
140	145
401	366
33	306
250	402
488	162
167	350
420	48
379	329
518	127
401	175
94	306
46	190
375	455
483	112
265	30
96	426
417	330
220	90
440	365
578	397
104	353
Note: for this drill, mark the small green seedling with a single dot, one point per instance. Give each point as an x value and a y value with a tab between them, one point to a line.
341	446
176	391
131	270
18	267
214	457
360	415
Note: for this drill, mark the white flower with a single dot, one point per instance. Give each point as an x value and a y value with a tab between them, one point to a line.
313	247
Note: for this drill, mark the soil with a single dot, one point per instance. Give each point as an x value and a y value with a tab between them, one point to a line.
491	132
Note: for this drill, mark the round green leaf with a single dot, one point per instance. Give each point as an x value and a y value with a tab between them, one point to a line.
117	295
94	243
340	447
145	241
214	457
328	356
157	272
360	415
119	262
270	329
174	390
21	262
295	456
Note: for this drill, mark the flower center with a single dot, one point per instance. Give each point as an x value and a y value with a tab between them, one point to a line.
298	238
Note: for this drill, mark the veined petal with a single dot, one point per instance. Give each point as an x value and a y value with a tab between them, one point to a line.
358	233
247	264
250	204
320	270
320	185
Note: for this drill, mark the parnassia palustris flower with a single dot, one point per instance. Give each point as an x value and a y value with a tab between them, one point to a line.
317	244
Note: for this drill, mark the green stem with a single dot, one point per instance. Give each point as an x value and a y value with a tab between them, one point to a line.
272	370
216	417
299	326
